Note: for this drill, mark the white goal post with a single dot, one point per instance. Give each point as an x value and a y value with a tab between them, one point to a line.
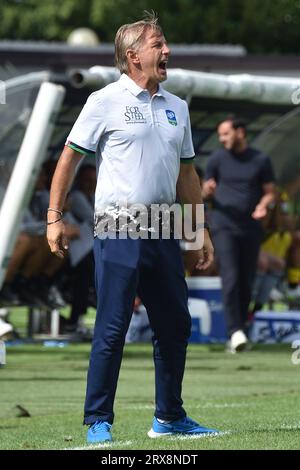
30	157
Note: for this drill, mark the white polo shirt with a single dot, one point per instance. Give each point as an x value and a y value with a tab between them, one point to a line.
139	141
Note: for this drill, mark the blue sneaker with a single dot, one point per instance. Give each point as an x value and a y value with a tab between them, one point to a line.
99	432
185	426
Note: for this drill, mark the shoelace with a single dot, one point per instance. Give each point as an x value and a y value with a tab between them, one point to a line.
100	426
189	421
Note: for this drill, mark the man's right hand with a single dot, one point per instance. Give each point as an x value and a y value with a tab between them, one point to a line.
57	239
208	188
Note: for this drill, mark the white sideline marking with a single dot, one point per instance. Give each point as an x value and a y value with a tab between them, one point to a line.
225	405
101	446
199	436
106	445
290	427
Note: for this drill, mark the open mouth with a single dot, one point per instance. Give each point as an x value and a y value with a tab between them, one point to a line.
162	65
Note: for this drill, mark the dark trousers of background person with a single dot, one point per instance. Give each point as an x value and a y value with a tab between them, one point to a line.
82	280
237	255
155	268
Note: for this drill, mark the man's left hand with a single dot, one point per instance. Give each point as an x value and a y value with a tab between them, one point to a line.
259	213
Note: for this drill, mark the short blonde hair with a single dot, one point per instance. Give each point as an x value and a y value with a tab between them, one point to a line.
131	36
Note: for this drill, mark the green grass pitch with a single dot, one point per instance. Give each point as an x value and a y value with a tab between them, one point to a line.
253	397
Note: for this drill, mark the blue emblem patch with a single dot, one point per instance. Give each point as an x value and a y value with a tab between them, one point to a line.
171	117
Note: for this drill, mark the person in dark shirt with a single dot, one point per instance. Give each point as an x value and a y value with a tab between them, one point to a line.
240	179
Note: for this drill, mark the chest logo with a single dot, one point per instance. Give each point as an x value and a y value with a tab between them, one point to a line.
134	116
171	117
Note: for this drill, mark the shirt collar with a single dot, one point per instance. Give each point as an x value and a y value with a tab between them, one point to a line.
135	89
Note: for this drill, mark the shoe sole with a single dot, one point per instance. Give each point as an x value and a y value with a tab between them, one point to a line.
154	435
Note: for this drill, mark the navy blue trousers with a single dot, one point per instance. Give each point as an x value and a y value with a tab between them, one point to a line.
154	269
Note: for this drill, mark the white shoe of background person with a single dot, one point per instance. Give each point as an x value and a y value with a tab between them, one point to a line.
293	293
238	341
3	313
276	295
5	328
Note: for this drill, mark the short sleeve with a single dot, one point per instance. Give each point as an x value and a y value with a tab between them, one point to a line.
187	149
211	170
88	128
268	175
